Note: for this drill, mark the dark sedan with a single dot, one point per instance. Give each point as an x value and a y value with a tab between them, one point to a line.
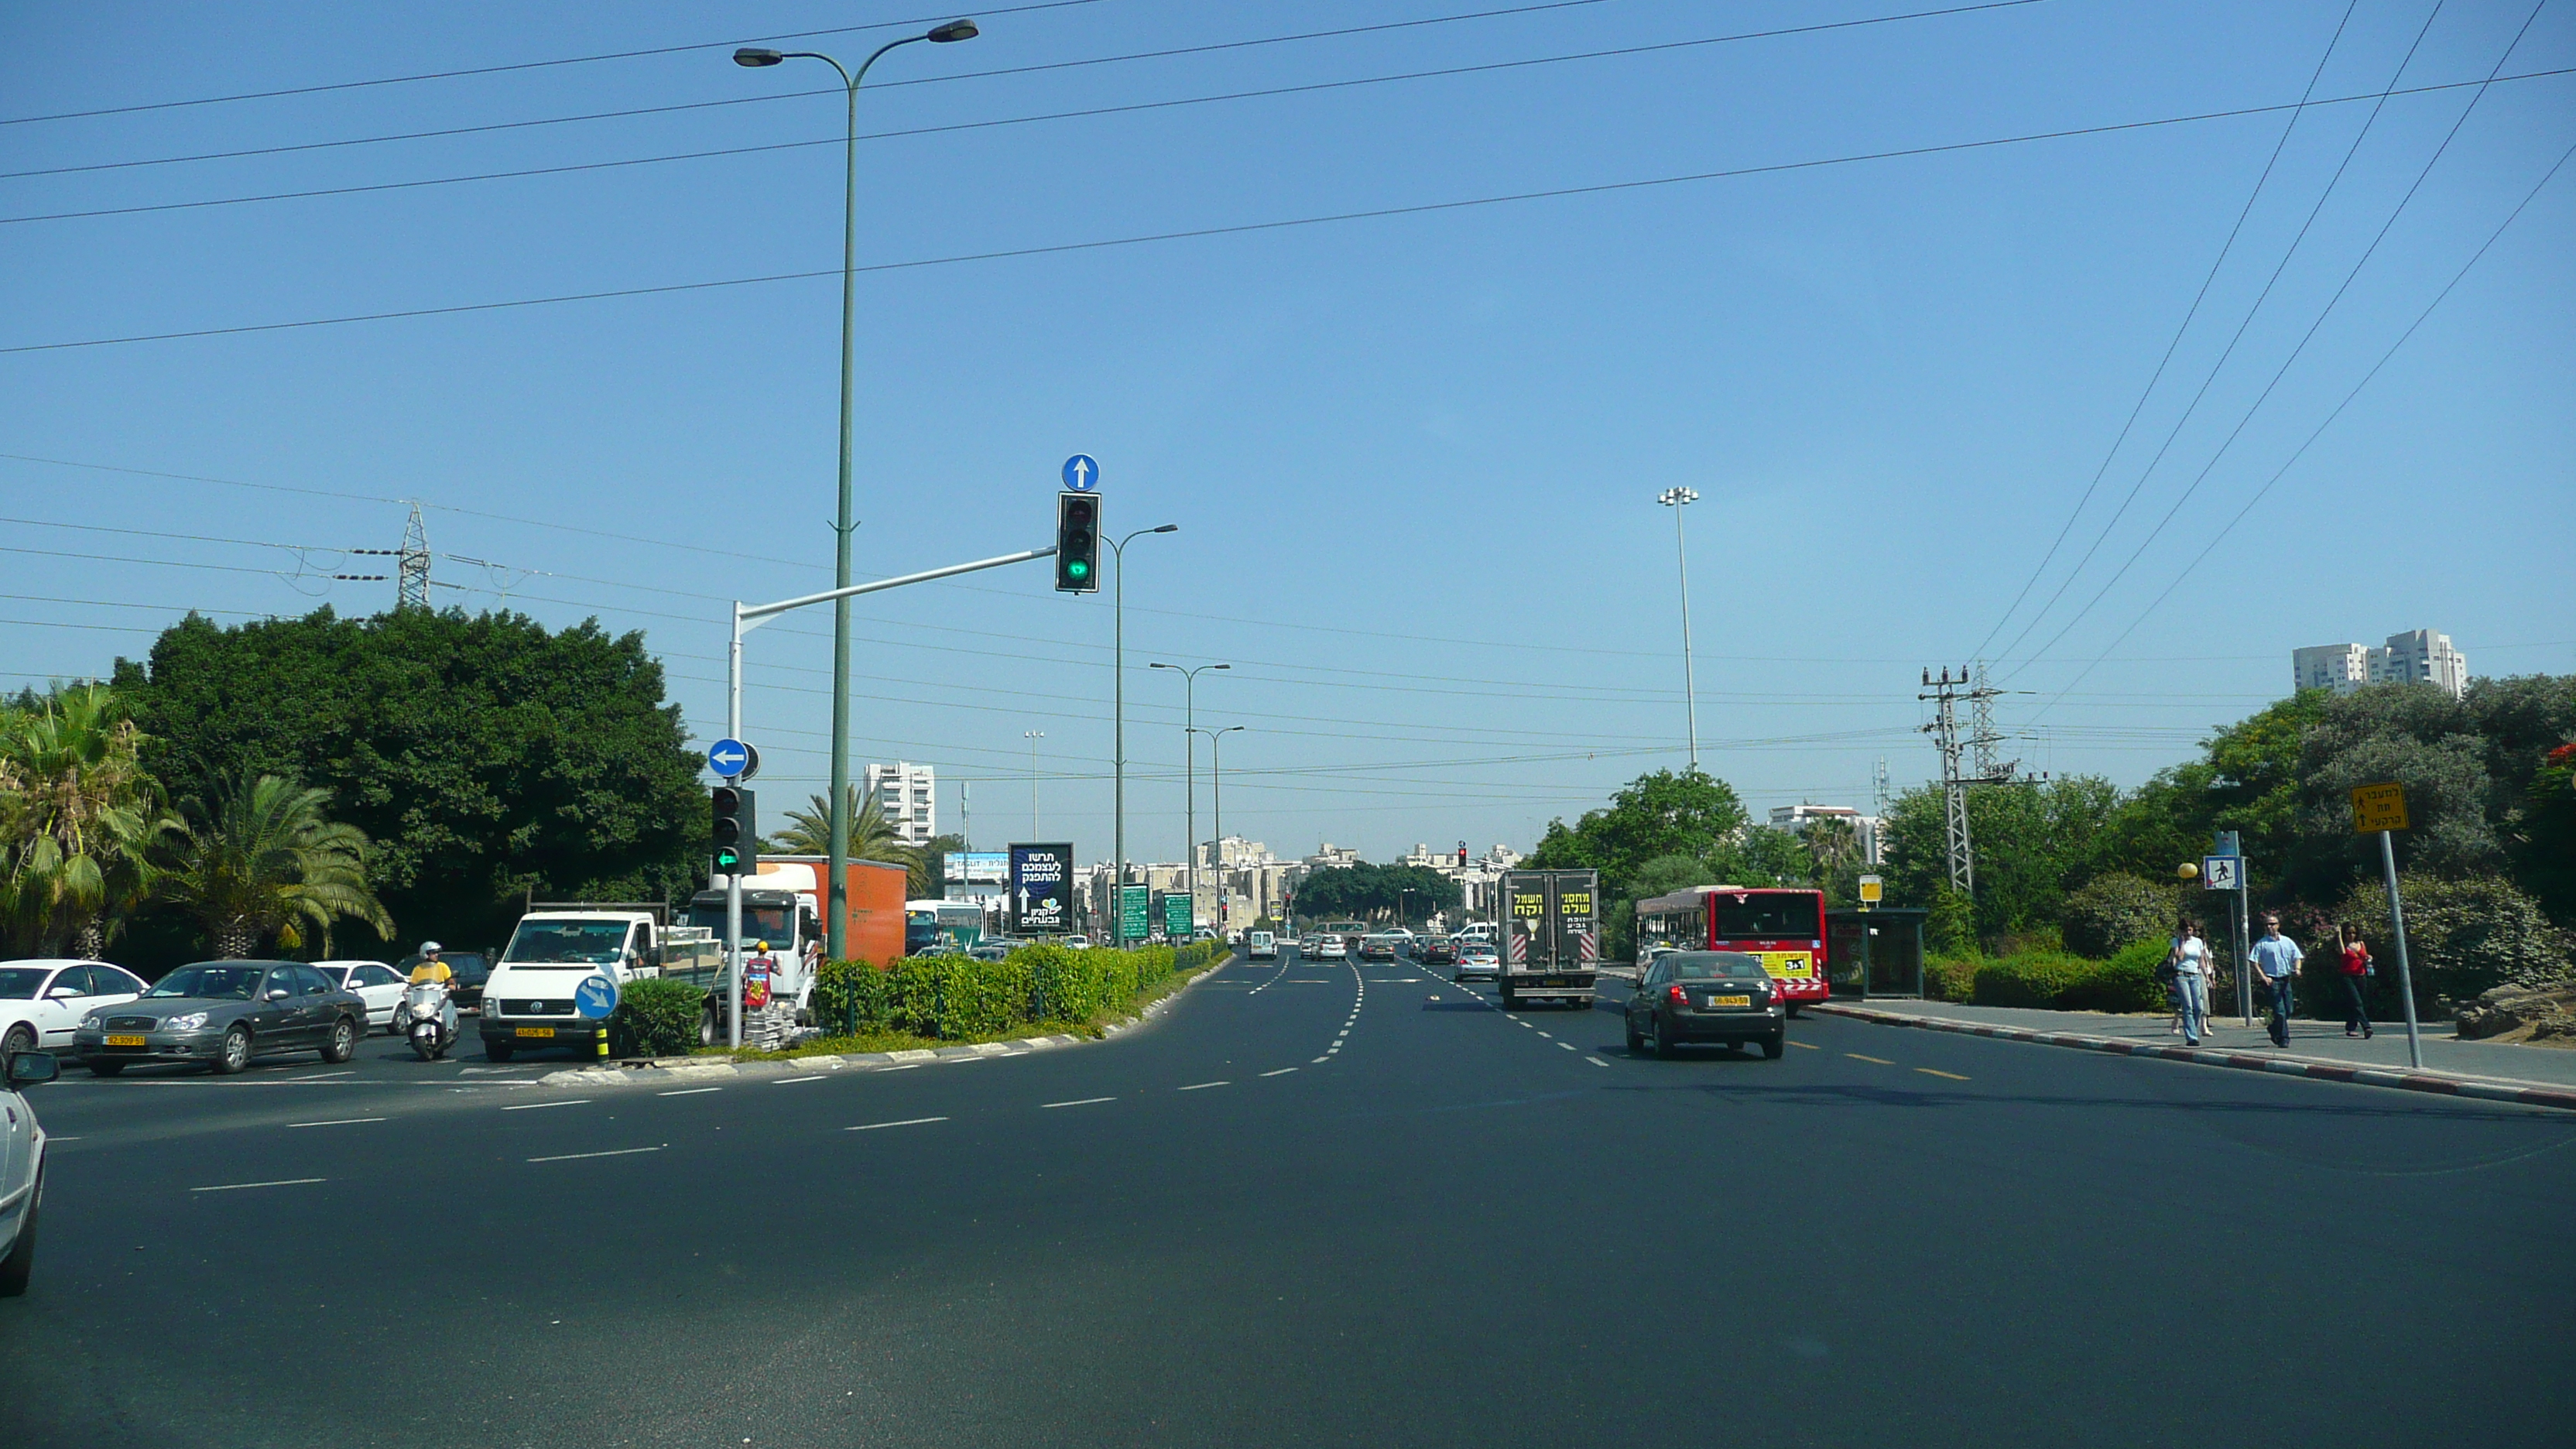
1436	951
1712	996
222	1014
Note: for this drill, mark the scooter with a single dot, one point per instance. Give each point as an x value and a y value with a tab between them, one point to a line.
427	1017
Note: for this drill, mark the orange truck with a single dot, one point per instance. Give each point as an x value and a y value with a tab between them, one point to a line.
875	892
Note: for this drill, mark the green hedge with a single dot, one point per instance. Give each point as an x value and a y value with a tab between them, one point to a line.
2051	980
1950	978
656	1018
958	997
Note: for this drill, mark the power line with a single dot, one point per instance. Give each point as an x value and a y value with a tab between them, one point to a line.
395	80
1246	228
571	168
768	97
2172	346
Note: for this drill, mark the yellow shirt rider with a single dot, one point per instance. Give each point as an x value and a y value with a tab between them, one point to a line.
430	967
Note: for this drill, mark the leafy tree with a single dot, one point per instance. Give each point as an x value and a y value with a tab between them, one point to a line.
872	836
79	817
1377	892
264	860
482	756
2032	842
2116	910
2463	936
1657	814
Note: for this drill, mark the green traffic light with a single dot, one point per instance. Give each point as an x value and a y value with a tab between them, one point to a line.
1078	569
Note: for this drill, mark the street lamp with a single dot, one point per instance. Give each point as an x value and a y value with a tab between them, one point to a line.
755	58
1216	778
1033	736
1118	668
1189	748
1678	499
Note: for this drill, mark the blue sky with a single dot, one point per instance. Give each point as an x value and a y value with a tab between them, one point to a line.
1414	457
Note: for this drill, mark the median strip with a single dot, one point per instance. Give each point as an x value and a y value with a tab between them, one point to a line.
244	1186
578	1156
906	1122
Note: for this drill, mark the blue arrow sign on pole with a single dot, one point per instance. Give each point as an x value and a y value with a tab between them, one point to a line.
1081	473
595	997
728	757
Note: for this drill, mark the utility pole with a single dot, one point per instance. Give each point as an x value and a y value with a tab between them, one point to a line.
1677	499
411	588
1956	775
1033	736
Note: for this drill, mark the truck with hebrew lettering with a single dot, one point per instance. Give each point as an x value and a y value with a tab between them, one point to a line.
1551	947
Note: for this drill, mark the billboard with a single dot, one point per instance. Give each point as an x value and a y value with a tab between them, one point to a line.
975	867
1041	889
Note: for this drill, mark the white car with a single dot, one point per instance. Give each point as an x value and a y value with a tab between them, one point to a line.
22	1165
42	1001
1331	948
377	984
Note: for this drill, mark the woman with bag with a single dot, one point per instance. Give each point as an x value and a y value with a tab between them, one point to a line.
2356	968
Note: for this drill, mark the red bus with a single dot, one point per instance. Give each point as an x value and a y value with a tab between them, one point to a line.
1786	928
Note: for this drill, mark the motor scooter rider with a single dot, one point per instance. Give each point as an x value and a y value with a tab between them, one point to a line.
433	972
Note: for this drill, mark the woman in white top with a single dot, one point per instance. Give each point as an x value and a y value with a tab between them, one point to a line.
2190	959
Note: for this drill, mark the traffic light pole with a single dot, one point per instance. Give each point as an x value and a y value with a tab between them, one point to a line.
747	617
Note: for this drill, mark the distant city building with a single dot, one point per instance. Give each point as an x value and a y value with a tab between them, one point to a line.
908	796
1865	828
2418	656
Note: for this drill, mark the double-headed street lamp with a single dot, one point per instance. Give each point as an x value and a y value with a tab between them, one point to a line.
1189	772
1678	499
1118	669
836	921
1216	778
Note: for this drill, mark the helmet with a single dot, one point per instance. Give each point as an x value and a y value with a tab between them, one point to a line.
430	948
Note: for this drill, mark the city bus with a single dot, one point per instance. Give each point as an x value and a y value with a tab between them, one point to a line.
1785	927
926	924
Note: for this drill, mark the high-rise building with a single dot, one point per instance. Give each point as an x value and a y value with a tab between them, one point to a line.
1796	818
908	796
2419	656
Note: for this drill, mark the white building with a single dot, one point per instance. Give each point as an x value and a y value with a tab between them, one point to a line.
908	796
1796	818
2418	656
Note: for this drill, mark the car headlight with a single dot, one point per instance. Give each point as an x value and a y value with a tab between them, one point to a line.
492	1006
90	1017
190	1022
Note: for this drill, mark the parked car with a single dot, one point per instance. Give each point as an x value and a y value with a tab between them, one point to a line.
41	1001
376	984
988	951
473	971
1696	996
1477	960
222	1015
1077	943
22	1165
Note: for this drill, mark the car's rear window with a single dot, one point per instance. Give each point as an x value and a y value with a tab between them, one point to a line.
1714	966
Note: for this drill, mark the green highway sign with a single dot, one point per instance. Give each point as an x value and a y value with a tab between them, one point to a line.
1133	904
1177	923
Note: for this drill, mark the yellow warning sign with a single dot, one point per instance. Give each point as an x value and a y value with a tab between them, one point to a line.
2378	807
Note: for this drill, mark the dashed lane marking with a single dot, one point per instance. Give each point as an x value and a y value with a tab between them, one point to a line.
792	1081
242	1186
336	1122
1326	1057
1882	1061
688	1091
1078	1102
1203	1086
579	1156
1929	1072
1283	1071
532	1106
1596	1061
1569	1046
906	1122
1806	1046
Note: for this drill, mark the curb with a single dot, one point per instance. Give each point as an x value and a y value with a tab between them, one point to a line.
2563	1099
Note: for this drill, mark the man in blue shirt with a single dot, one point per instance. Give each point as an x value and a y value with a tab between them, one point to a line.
2277	957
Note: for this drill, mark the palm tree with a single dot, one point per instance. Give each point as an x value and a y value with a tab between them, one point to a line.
265	860
872	836
79	816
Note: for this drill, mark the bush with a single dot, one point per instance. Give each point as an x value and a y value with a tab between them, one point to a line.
656	1018
2115	911
2126	982
952	997
2463	937
1951	978
2033	978
1950	923
2057	980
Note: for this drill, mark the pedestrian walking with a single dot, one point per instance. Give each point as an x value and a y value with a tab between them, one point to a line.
2356	968
2277	957
2189	960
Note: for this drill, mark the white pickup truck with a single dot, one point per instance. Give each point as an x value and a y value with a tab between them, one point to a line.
528	1003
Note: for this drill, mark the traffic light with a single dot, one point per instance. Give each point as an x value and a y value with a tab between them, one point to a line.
736	830
1077	543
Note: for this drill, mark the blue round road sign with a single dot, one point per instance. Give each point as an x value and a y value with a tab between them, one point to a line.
728	758
1081	473
595	997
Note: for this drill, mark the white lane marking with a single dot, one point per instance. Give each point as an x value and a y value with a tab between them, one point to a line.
904	1067
1318	1059
792	1081
906	1122
1203	1086
532	1106
75	1139
1550	1038
1567	1045
578	1156
688	1091
321	1076
1078	1102
337	1122
238	1186
1283	1071
1596	1061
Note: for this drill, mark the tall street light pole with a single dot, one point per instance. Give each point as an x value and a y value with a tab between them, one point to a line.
1216	780
1033	736
1189	772
1118	669
836	918
1678	499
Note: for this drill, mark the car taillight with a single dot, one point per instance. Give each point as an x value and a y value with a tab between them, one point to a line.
1677	996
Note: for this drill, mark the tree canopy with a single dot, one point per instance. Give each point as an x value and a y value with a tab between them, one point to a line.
1373	892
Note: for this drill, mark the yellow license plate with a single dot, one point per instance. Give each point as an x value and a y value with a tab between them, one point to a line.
133	1041
1730	1001
536	1031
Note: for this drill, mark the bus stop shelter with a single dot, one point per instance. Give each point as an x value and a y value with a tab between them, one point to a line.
1875	952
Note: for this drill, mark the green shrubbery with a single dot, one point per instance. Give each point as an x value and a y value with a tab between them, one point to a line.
656	1018
955	997
2051	980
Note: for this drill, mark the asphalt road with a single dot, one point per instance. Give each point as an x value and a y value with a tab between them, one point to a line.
1312	1204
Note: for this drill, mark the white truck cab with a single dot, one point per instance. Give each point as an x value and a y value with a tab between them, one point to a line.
529	1000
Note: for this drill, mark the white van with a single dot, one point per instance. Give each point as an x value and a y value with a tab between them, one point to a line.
1261	946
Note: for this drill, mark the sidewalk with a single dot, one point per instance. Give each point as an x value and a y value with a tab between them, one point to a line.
2542	1075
